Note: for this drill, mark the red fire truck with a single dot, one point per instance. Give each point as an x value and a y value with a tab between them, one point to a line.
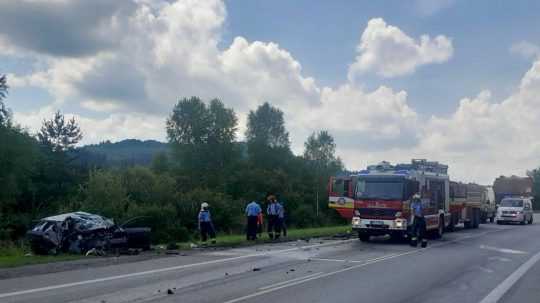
378	199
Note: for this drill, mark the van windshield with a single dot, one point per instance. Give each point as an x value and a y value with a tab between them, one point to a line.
512	203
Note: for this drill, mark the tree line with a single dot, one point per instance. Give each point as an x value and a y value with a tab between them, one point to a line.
40	174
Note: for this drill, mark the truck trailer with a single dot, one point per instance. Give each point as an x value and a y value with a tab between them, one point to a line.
513	186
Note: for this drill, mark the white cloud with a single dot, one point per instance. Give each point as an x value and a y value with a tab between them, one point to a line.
484	139
170	50
114	127
389	52
525	49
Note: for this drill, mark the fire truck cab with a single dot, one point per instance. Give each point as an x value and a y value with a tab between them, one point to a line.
380	198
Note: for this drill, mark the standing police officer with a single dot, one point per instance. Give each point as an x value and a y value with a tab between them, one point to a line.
274	223
206	227
419	222
252	213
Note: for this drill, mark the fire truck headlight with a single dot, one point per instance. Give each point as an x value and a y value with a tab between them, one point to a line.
399	223
355	221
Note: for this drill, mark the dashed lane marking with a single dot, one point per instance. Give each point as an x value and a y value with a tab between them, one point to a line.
504	250
292	280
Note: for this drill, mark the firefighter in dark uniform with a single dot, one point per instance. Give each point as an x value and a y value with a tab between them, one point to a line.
419	222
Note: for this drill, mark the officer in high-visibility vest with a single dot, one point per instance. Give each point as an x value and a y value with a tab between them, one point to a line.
419	222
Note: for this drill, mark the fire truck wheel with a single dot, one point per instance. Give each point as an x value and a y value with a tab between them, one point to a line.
396	237
440	230
363	237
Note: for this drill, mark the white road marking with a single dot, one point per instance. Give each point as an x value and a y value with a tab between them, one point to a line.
504	250
498	292
160	270
368	262
365	263
485	269
343	260
499	259
292	280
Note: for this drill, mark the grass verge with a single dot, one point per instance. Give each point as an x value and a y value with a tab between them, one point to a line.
12	256
292	234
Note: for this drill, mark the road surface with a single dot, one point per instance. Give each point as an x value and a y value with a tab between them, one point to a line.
495	263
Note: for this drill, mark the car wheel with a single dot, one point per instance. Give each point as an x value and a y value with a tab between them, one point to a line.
363	237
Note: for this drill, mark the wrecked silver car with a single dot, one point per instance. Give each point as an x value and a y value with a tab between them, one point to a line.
81	232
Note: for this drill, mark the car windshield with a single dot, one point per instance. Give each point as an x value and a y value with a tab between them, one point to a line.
512	203
379	190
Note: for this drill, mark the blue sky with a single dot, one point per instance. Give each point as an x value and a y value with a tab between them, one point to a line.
324	34
391	80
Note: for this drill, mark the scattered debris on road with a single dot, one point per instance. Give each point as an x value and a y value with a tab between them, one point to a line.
256	269
85	233
170	292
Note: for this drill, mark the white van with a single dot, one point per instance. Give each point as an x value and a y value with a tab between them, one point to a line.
515	210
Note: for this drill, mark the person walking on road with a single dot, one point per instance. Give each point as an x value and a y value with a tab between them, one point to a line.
419	222
274	225
206	227
252	213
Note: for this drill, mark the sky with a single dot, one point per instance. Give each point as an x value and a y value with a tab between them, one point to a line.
448	80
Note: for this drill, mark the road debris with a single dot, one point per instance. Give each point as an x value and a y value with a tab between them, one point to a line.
256	269
170	292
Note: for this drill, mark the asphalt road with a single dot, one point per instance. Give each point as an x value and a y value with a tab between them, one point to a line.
495	263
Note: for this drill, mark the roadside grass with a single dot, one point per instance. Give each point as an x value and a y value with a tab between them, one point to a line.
13	256
224	240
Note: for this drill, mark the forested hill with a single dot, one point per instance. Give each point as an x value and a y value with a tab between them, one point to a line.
129	152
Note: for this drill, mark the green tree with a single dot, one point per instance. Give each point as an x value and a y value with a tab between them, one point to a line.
267	139
5	115
202	138
266	127
160	163
106	194
58	134
221	133
535	175
320	147
320	154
